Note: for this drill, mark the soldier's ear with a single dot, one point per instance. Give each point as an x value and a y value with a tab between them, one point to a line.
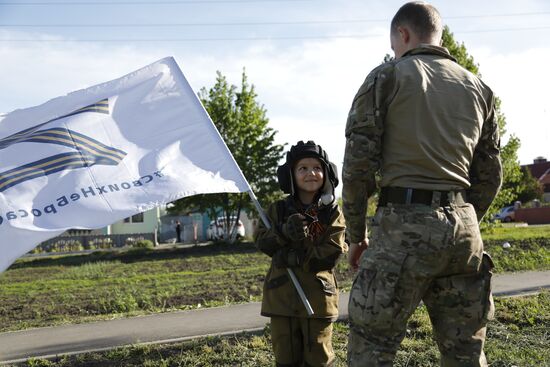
404	34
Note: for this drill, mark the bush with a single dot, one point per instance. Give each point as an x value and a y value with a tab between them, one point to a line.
143	244
99	243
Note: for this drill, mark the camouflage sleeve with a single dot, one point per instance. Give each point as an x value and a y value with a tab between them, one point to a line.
324	255
363	153
486	168
270	240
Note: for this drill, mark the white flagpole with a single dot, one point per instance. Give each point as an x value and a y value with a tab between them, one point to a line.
291	274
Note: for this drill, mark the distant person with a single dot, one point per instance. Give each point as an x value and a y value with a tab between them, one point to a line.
427	128
307	235
178	231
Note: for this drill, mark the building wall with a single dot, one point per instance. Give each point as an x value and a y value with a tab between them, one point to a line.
149	225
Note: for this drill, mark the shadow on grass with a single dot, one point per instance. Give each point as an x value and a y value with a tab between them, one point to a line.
137	255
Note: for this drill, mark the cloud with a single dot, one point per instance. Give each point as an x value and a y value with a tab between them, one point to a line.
307	86
521	83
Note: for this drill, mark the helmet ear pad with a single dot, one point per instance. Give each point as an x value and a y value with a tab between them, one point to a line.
284	176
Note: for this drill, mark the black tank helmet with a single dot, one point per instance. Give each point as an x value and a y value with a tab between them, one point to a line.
308	150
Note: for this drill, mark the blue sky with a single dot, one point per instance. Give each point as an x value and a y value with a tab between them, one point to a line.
306	58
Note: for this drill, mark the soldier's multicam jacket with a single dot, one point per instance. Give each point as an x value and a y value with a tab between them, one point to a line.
315	274
421	121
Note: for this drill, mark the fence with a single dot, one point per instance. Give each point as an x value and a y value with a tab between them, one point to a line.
75	243
533	215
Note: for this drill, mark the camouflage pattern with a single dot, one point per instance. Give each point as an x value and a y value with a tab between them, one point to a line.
404	126
299	342
421	122
420	253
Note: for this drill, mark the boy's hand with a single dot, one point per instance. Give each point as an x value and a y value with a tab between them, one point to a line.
295	227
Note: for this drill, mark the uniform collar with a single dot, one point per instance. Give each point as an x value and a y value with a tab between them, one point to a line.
427	49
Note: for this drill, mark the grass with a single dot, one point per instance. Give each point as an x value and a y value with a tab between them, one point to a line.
42	292
517	337
508	232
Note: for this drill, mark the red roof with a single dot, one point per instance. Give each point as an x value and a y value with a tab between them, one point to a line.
538	169
545	179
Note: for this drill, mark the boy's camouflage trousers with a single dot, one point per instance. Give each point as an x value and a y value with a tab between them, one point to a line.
421	253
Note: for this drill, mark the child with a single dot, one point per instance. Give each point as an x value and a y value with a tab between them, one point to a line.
307	235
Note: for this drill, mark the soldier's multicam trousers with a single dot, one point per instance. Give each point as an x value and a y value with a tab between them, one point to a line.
421	253
302	342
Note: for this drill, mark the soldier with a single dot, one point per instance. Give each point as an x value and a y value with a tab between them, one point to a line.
427	127
307	235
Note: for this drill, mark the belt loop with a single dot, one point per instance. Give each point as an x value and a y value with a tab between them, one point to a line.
436	199
408	198
451	198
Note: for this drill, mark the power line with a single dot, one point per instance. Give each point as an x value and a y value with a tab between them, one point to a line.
298	22
266	38
160	2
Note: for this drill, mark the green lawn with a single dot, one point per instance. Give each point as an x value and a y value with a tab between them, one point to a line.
72	289
507	232
518	337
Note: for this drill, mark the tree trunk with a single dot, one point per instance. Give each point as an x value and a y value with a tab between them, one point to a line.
233	237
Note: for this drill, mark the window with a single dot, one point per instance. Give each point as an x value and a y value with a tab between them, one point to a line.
138	218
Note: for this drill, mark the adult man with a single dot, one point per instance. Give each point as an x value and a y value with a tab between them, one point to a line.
427	127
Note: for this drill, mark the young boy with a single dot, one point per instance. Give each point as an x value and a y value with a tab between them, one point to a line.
307	235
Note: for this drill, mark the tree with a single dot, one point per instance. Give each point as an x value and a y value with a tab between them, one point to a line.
243	125
531	188
512	174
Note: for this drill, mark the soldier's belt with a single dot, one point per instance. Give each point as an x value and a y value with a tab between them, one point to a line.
402	195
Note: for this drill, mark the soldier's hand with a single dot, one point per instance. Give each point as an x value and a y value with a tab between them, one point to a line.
355	252
295	227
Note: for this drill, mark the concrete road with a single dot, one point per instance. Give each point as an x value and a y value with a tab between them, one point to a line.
183	325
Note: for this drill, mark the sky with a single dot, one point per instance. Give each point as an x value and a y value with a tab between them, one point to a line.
305	58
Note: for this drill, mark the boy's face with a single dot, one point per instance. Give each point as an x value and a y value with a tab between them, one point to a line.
309	175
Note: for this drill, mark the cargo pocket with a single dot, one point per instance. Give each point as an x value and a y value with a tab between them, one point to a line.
374	300
488	311
329	288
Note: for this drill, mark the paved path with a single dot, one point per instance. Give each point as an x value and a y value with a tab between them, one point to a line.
183	325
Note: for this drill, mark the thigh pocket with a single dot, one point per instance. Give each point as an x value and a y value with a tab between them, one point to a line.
374	299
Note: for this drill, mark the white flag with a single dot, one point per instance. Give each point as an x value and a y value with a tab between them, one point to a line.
97	155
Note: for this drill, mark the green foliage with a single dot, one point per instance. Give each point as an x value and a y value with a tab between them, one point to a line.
458	51
530	188
517	337
511	189
41	292
525	254
143	244
511	232
243	125
61	245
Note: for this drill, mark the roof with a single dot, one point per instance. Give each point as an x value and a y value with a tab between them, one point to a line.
538	169
545	177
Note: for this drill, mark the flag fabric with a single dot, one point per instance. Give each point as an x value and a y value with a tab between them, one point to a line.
97	155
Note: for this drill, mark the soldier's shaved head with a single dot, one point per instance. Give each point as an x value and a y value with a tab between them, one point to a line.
421	18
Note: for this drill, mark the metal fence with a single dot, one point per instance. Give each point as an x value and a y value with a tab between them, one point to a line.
75	243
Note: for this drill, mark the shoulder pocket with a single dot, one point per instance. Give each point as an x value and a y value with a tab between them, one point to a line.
363	110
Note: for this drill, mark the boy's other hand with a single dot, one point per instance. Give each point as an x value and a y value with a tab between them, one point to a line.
295	227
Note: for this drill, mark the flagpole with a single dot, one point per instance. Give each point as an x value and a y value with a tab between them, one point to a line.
291	274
